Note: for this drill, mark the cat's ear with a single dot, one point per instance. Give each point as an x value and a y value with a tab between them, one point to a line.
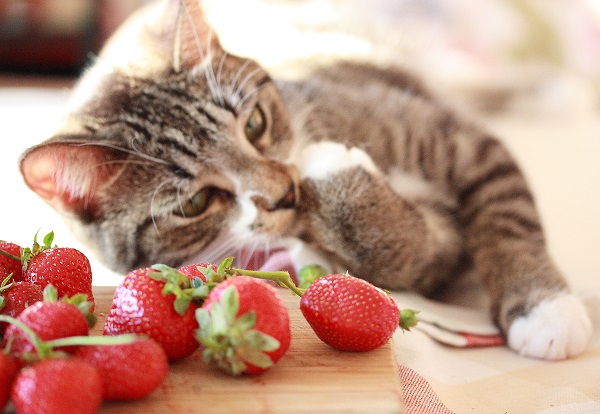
69	174
179	29
194	40
163	35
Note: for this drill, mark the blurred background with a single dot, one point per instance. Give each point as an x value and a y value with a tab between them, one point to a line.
55	36
528	70
493	54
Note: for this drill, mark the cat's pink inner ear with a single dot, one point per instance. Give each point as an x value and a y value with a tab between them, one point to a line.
39	176
66	175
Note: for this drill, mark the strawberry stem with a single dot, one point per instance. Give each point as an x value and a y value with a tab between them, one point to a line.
92	340
6	283
408	319
10	256
40	346
45	349
282	278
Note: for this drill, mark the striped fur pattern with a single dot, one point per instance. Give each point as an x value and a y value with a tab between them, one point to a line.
183	150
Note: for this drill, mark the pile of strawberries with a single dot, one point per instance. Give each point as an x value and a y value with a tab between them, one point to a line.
48	361
159	315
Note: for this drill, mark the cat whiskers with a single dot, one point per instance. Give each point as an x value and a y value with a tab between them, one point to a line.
249	254
219	73
220	248
248	95
230	90
136	152
205	58
215	89
179	203
153	213
237	94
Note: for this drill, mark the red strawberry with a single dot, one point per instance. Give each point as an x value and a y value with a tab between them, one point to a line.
67	269
142	305
5	275
244	326
58	386
15	297
12	264
8	371
49	320
348	313
129	371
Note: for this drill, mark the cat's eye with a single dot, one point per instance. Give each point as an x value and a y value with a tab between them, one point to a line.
196	204
256	125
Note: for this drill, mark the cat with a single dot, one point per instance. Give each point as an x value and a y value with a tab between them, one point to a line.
174	149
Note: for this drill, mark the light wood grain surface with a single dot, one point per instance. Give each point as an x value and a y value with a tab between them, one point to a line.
310	378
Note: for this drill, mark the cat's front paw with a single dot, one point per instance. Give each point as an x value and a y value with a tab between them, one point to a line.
323	159
557	328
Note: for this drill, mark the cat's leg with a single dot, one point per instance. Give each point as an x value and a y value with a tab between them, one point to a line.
530	299
367	228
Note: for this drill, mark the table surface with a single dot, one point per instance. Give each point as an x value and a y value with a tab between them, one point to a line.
312	377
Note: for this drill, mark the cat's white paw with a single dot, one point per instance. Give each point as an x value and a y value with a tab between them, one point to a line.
557	328
320	160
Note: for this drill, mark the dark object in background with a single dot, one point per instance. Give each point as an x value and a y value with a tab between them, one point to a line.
56	36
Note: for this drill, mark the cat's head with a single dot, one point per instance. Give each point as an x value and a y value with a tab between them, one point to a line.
169	147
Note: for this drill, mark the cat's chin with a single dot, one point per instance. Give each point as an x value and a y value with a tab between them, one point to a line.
555	329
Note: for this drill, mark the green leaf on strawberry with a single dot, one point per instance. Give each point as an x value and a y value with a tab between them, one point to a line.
225	265
153	313
239	335
79	300
408	319
68	269
29	253
309	274
184	289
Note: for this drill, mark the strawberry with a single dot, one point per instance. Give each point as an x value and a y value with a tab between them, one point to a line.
8	371
129	371
12	259
350	314
345	312
66	268
155	303
48	320
15	297
57	386
244	326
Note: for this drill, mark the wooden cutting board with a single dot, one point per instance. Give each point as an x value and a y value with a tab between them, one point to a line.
311	378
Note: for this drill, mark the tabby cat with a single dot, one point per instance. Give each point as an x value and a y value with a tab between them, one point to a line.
175	150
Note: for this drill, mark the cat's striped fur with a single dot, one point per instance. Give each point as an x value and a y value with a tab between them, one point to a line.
181	150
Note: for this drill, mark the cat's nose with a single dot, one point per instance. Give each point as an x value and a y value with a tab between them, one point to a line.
288	200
